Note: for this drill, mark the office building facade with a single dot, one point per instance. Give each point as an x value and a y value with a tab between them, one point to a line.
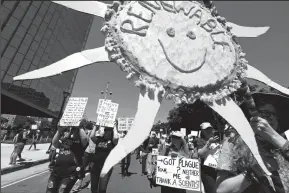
35	34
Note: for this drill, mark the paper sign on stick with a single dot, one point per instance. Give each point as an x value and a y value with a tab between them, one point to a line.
122	124
194	133
181	173
101	103
73	112
107	114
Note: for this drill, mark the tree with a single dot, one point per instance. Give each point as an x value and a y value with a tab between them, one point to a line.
45	124
160	125
190	116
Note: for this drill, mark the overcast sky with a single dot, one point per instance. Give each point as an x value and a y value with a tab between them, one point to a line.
269	53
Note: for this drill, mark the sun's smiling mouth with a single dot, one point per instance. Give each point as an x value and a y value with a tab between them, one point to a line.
177	67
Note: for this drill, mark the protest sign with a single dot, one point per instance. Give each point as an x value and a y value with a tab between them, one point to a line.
73	112
107	114
124	124
102	103
129	123
155	151
176	172
184	131
194	133
213	157
34	127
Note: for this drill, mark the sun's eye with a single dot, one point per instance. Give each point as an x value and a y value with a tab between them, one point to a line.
191	35
171	32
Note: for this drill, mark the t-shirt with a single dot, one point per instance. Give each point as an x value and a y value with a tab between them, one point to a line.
69	156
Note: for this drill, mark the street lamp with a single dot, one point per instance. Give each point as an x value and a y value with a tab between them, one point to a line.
106	91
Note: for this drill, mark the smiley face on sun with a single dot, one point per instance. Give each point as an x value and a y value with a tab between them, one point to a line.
174	43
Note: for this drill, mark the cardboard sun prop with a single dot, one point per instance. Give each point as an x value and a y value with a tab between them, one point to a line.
180	50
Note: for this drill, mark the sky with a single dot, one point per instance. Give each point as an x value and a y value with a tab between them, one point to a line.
268	53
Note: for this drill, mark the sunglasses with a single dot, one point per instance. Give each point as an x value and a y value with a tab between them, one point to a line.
267	114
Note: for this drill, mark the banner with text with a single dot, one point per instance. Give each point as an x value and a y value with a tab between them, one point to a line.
107	114
74	111
124	124
181	173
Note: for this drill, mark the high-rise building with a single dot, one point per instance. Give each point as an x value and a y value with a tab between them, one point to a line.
35	34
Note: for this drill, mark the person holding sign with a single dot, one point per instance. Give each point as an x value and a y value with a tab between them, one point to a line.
68	166
105	140
174	146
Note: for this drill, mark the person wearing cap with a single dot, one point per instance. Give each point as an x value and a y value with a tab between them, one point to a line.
207	145
238	171
67	166
174	146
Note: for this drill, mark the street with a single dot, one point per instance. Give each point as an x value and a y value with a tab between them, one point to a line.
34	180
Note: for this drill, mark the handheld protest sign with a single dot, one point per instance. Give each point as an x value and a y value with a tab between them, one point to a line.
155	151
180	50
184	131
181	173
73	112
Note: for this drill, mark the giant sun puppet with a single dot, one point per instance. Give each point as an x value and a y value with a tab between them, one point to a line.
182	50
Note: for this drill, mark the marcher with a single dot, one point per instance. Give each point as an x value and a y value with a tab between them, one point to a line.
125	162
35	139
207	144
87	158
238	170
19	143
105	139
68	166
175	146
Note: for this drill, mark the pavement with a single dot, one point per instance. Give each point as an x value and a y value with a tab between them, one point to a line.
32	157
34	180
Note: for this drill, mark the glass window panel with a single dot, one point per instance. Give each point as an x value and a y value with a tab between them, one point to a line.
21	71
13	69
33	84
5	62
26	64
7	80
39	87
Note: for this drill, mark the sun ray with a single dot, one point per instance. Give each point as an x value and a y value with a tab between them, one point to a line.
90	7
148	107
71	62
241	124
256	74
249	32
